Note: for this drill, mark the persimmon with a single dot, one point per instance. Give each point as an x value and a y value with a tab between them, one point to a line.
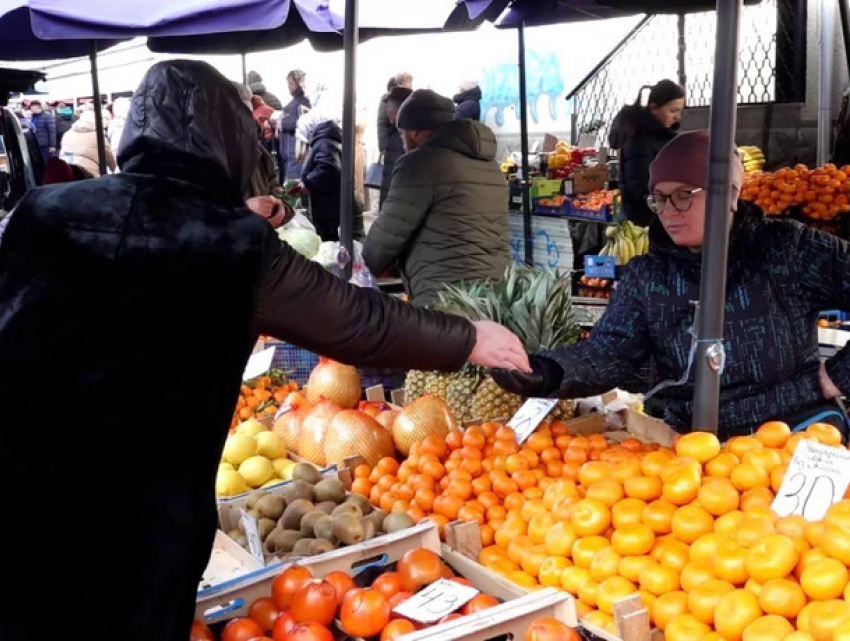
365	612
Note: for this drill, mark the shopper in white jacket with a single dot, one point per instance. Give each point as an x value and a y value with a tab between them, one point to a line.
120	109
79	146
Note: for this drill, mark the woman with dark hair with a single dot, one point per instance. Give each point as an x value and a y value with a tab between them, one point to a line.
639	132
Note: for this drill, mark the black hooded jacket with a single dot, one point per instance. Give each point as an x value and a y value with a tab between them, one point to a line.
468	104
322	175
143	294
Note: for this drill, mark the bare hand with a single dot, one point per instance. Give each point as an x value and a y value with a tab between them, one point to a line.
828	388
268	207
498	347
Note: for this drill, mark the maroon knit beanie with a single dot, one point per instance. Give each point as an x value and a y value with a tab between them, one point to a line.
57	170
685	160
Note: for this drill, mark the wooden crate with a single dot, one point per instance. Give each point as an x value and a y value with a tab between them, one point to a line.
632	621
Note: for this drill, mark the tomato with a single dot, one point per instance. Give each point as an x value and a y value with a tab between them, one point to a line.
201	632
314	601
417	568
282	626
364	612
396	629
388	584
478	603
309	632
342	584
264	612
287	583
550	629
242	629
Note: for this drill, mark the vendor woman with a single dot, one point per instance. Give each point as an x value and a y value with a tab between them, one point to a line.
780	275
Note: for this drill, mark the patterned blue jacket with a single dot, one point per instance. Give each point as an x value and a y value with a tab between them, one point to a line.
781	274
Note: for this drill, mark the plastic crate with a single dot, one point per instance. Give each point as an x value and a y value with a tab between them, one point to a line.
835	315
600	267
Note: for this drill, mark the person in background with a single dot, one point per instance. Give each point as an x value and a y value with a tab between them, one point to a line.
255	82
468	101
263	115
639	132
445	219
58	171
120	109
65	117
127	283
43	125
389	140
79	146
290	168
781	274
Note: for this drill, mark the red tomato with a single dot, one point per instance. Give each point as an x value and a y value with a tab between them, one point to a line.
309	632
264	612
419	567
314	601
287	583
478	603
450	617
462	581
395	600
342	584
549	629
201	632
396	629
388	584
364	613
242	629
282	625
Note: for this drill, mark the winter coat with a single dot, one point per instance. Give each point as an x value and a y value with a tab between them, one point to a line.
780	275
389	141
322	176
44	128
104	281
468	104
264	181
292	111
255	83
446	216
63	124
79	147
645	140
116	126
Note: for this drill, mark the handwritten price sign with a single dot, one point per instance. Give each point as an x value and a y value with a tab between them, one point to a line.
252	533
817	477
436	601
529	416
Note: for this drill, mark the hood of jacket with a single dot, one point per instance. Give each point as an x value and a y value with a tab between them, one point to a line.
469	94
188	109
468	137
85	123
632	121
329	129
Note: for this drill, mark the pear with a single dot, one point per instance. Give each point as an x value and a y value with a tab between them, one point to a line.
270	445
256	470
239	447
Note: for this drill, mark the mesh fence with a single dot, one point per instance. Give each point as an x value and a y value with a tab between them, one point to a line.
653	52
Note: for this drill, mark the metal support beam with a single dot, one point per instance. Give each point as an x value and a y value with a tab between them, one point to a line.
98	110
827	44
349	122
523	133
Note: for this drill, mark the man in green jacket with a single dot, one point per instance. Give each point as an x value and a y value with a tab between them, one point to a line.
445	219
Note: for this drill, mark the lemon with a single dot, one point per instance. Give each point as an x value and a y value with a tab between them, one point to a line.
256	470
272	481
225	466
270	445
229	483
239	447
251	427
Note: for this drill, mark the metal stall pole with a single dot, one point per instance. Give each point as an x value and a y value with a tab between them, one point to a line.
845	28
98	110
349	116
710	353
682	53
244	68
827	41
525	184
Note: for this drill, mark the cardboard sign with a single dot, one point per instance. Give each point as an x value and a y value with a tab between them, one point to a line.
529	416
817	477
439	599
259	364
252	533
586	181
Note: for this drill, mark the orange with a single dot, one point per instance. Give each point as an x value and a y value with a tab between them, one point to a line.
803	617
610	590
703	599
590	517
747	476
762	457
768	628
685	627
693	575
758	500
734	612
539	441
563	509
560	489
560	538
752	529
719	497
523	579
836	543
727	524
519	547
738	445
825	433
778	475
627	512
681	482
646	488
825	617
807	558
572	577
539	526
471	512
605	564
824	579
531	508
702	550
794	441
773	434
815	532
690	522
838	514
658	516
509	530
722	465
608	491
584	549
783	597
773	557
630	566
667	606
633	540
653	463
730	563
551	570
587	592
701	446
533	559
673	553
594	471
659	580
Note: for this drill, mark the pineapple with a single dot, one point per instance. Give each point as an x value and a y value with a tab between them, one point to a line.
414	385
491	402
461	391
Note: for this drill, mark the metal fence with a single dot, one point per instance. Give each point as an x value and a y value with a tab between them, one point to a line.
682	47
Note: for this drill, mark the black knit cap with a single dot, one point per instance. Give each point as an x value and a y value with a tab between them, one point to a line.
425	110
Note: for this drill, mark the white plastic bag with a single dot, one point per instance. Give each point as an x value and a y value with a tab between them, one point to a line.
334	257
300	221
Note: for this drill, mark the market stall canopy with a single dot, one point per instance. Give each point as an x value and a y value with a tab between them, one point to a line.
18	40
18	81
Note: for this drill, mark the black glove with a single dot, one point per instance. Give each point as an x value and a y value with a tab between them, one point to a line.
545	378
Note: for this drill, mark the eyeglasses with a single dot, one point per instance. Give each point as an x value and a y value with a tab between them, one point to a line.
681	199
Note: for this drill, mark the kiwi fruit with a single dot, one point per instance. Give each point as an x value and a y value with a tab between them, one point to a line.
265	527
360	501
369	529
306	472
303	490
396	521
239	537
253	497
329	490
302	547
309	520
323	529
270	506
326	506
286	540
292	515
320	546
347	508
270	544
348	528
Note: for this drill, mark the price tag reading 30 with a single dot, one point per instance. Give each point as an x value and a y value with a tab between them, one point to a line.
529	416
439	599
817	477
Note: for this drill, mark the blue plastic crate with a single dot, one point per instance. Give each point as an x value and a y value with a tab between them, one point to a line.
600	267
296	362
835	315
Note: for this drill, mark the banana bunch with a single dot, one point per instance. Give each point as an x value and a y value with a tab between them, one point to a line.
625	241
753	159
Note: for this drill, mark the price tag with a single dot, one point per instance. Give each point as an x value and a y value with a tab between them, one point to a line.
530	415
817	477
258	364
252	533
436	601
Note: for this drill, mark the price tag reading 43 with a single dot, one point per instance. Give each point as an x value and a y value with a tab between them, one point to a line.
529	416
817	477
439	599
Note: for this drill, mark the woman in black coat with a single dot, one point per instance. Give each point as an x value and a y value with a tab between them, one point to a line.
468	101
639	132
